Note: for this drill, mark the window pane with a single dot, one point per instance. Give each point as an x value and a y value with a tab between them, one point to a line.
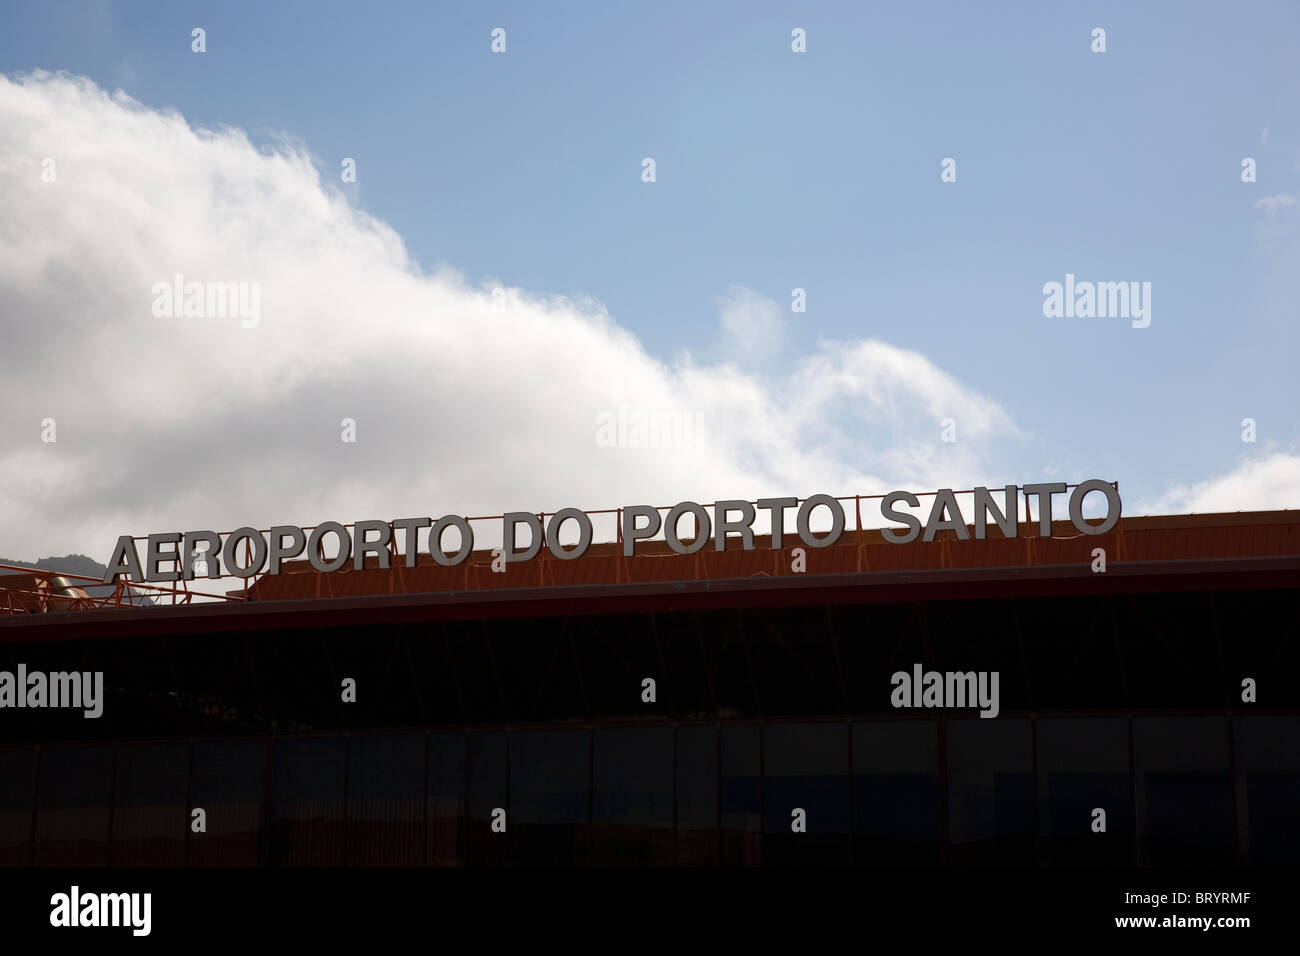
1184	790
550	789
697	796
72	818
17	786
307	802
447	799
386	800
806	766
633	776
896	818
487	792
1268	787
150	817
1083	766
742	837
228	781
991	816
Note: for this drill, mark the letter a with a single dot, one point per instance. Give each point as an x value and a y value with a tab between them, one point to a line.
498	820
349	690
199	821
932	689
798	820
1098	820
1052	304
648	690
1248	690
606	429
125	560
59	915
902	693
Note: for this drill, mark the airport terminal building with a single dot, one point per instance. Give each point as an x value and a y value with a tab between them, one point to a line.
950	702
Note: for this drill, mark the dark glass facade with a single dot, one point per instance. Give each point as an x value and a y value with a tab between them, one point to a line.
770	739
228	780
880	793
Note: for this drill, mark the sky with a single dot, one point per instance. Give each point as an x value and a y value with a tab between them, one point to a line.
523	171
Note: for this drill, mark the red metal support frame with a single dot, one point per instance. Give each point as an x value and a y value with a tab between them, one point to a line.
44	599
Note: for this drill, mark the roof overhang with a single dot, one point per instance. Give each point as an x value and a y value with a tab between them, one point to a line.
763	591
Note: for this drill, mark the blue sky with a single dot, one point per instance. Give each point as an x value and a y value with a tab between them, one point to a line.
819	171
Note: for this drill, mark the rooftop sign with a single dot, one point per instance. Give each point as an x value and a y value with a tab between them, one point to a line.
248	552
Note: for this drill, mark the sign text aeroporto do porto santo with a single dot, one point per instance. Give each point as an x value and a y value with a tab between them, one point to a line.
247	552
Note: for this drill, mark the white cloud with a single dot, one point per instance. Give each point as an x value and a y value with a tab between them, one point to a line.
754	329
184	424
1259	484
1275	202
